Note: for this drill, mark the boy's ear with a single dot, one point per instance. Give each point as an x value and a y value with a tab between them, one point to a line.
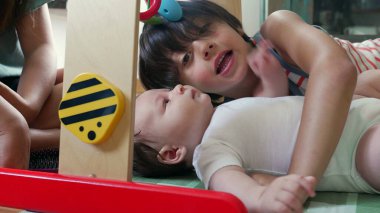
171	154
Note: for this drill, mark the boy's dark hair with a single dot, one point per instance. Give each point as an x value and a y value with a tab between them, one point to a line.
145	162
158	42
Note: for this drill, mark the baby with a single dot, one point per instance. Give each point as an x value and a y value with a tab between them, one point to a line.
180	128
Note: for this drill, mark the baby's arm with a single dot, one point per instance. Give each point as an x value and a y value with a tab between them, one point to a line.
285	194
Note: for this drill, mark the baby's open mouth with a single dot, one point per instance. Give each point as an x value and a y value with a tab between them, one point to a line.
223	62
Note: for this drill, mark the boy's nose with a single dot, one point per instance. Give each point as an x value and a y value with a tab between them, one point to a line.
208	50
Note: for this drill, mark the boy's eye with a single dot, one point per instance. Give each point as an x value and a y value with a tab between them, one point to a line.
186	58
205	28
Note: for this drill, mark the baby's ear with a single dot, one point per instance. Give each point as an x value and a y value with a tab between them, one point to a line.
172	154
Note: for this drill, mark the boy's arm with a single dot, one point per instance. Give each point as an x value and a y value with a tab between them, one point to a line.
285	194
332	79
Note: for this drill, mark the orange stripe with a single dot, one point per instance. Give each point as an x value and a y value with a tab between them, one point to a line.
375	42
300	80
369	49
372	63
361	59
368	60
352	56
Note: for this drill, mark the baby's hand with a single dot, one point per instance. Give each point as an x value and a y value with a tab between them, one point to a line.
287	194
263	179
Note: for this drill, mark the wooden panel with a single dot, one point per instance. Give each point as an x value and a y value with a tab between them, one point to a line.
139	87
9	210
102	38
233	6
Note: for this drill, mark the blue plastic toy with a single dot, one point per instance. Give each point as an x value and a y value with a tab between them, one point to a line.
171	10
168	9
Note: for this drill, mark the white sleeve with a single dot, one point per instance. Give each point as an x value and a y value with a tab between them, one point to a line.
211	156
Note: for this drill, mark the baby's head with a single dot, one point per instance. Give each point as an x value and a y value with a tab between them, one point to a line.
169	124
159	42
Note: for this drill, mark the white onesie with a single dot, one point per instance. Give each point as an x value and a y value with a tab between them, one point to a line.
259	134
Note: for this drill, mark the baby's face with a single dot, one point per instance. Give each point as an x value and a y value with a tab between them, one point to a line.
173	117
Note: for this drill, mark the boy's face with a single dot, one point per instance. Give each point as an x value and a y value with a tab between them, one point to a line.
176	117
216	63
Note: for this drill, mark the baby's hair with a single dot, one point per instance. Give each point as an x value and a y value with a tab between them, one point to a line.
146	164
159	42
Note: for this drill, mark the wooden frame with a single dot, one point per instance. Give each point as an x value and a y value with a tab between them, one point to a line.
102	41
102	38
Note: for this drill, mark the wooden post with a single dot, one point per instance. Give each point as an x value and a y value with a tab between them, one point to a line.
102	39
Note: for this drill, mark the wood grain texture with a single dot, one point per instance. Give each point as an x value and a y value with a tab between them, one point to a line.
102	38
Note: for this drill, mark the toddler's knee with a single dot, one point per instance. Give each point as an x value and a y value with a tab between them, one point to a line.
14	140
13	121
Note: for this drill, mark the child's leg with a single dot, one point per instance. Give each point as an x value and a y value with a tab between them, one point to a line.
48	117
368	157
14	137
44	139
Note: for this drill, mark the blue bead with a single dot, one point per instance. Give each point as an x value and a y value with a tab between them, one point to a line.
170	10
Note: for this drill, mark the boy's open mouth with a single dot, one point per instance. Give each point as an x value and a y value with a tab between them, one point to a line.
222	61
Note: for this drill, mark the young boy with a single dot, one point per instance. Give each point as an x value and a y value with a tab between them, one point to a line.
180	127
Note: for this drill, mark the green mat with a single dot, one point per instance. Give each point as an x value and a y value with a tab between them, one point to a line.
326	202
189	180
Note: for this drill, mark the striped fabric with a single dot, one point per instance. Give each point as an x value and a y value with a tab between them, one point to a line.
365	56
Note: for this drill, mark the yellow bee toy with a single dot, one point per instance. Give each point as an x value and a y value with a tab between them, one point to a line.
91	108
